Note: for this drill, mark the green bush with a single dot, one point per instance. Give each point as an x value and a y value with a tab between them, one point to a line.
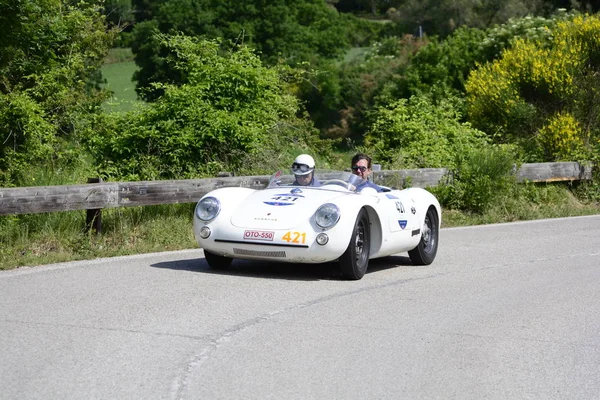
340	94
419	133
229	108
29	137
535	28
541	95
296	31
50	55
483	177
445	63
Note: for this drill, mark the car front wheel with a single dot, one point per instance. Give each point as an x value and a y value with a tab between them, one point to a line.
425	252
355	260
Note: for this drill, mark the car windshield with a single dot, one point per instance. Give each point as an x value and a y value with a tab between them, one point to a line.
329	180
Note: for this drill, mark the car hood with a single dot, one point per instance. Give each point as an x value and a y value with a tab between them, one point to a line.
281	208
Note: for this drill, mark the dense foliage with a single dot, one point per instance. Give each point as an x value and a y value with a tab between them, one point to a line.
543	95
221	117
50	52
415	84
119	13
442	17
339	95
482	178
418	133
295	30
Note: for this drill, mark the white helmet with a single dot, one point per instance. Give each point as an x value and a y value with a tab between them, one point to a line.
303	165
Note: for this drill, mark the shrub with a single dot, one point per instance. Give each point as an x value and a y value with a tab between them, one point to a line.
338	95
50	55
537	92
418	133
534	28
445	63
28	137
482	178
562	137
297	31
229	107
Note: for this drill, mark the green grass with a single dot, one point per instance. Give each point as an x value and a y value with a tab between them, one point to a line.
118	72
118	55
37	239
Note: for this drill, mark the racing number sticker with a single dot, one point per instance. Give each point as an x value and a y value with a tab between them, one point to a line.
295	237
284	200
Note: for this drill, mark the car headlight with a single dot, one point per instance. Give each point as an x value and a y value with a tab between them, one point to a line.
327	215
208	208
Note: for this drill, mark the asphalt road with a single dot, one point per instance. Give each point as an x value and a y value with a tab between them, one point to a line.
507	311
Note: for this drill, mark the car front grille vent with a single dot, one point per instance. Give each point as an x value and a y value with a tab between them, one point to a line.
244	252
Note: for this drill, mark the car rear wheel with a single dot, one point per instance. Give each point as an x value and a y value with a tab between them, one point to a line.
425	252
216	261
355	260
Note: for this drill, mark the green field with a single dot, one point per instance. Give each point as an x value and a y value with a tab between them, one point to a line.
118	72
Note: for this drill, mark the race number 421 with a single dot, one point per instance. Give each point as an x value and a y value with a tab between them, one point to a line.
295	237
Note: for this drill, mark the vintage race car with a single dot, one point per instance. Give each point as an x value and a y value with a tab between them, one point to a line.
303	224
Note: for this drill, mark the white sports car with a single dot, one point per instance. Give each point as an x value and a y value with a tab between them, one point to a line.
304	224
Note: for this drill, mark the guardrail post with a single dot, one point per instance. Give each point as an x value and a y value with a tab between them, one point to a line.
93	218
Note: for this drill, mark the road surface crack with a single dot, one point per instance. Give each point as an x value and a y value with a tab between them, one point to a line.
180	386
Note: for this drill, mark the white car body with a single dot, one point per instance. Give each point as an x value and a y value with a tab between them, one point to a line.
279	224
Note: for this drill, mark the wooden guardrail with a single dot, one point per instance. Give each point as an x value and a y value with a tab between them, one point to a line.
533	172
99	195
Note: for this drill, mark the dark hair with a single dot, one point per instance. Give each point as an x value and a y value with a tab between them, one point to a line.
361	156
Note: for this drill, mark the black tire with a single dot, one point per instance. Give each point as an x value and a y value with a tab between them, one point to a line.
425	252
355	260
216	261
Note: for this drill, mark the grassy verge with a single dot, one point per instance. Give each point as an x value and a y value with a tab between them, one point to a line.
58	237
37	239
561	204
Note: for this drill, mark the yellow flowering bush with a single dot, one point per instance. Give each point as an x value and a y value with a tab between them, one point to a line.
541	95
562	137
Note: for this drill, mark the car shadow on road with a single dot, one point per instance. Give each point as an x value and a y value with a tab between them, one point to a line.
258	269
385	263
278	270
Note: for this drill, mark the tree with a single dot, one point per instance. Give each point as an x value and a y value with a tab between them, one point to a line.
119	13
50	54
374	7
295	30
226	111
441	18
443	64
340	95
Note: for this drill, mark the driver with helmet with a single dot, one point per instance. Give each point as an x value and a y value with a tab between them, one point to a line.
303	169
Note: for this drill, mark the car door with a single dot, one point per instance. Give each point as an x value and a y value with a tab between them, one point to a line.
401	212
